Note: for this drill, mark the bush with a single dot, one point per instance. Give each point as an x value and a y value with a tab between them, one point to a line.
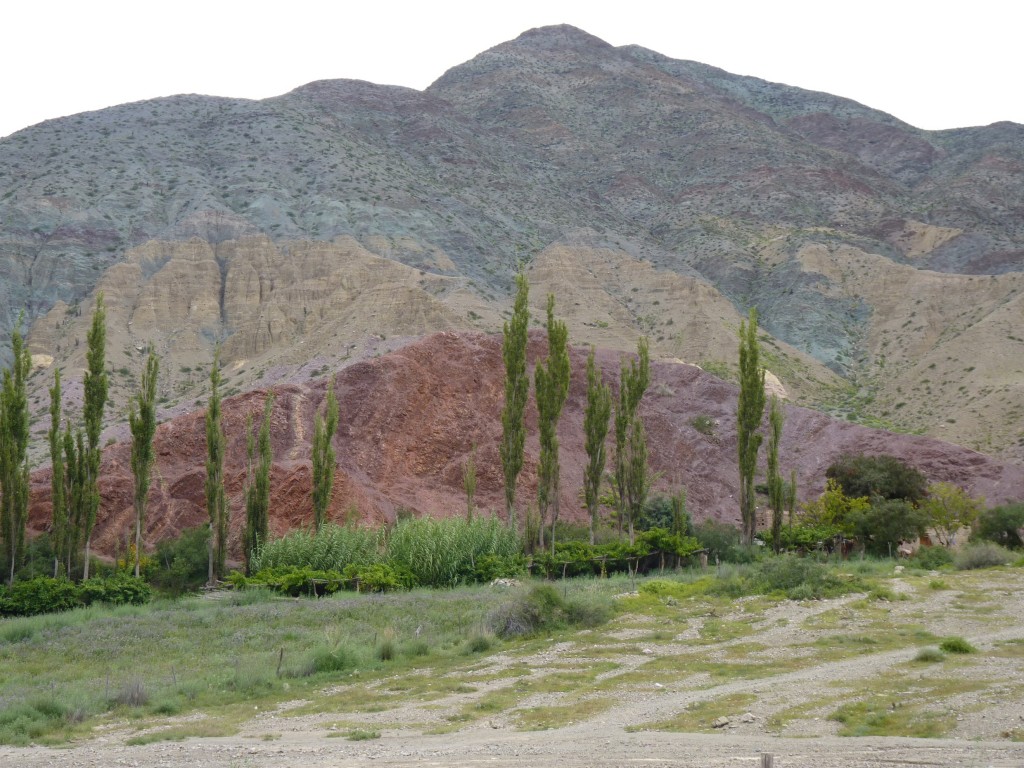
1001	525
47	595
543	609
956	645
884	475
984	554
882	526
183	562
722	542
929	655
334	658
931	558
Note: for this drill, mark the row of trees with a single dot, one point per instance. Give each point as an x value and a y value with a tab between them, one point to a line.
631	479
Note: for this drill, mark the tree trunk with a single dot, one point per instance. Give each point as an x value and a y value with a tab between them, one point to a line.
138	544
85	568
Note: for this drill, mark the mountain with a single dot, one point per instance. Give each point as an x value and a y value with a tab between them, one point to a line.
411	418
651	195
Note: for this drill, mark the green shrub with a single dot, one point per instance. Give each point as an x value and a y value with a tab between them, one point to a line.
1001	525
722	542
120	589
983	554
543	609
931	558
703	424
25	723
929	655
479	643
39	595
330	659
956	645
183	562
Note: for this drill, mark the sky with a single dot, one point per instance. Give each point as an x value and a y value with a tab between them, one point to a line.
934	65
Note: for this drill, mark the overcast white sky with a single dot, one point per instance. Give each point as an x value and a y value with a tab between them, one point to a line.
934	65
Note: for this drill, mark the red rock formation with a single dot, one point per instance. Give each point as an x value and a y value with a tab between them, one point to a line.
410	418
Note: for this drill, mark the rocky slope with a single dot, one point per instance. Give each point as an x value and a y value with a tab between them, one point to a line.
885	260
410	418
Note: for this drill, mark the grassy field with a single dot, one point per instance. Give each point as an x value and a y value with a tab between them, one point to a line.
697	645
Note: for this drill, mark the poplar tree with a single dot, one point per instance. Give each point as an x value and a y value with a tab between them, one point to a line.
637	480
216	500
14	434
59	529
257	492
74	486
776	491
95	385
634	378
324	428
595	430
142	422
551	382
749	411
517	390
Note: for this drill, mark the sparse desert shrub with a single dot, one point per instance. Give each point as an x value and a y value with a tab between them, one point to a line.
330	658
956	645
983	554
132	694
360	735
478	643
543	609
704	424
929	655
931	558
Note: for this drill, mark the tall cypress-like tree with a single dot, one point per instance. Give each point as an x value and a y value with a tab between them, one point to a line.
74	485
469	483
749	411
257	492
142	422
216	500
95	385
775	482
324	429
595	429
14	434
634	377
638	479
517	390
551	381
58	491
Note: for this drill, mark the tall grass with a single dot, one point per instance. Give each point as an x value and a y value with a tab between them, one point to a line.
445	552
332	548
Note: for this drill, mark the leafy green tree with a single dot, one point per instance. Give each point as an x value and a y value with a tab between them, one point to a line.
57	489
948	508
257	491
324	430
95	385
517	390
551	381
14	435
790	495
595	428
1003	525
833	509
634	377
776	490
882	525
749	411
142	422
882	475
216	500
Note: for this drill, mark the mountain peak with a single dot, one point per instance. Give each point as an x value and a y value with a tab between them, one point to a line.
559	36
